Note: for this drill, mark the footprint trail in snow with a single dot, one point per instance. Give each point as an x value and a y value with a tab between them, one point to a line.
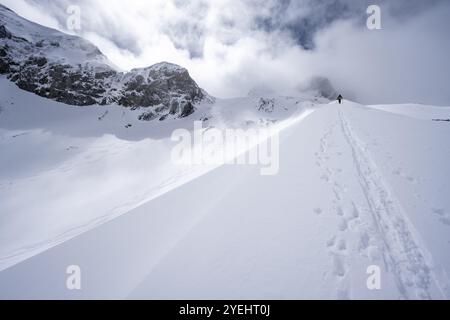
371	221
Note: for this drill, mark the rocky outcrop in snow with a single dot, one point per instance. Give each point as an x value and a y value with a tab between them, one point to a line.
71	70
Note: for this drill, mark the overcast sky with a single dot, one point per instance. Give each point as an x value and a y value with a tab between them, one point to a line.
231	46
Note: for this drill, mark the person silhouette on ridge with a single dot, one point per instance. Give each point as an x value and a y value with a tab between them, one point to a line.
340	98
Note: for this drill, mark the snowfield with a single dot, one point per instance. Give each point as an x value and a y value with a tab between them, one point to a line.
65	170
358	186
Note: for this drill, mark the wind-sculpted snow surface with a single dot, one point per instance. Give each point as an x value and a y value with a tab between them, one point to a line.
65	170
358	189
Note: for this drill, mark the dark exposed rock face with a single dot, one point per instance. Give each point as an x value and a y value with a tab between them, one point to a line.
164	84
266	105
39	63
54	81
4	34
187	110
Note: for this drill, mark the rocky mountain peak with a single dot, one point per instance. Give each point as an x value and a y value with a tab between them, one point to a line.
71	70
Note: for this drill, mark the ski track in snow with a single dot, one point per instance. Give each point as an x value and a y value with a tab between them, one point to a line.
405	257
377	229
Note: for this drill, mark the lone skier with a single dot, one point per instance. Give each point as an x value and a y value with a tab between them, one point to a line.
340	98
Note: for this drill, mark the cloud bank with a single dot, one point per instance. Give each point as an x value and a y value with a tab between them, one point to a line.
232	46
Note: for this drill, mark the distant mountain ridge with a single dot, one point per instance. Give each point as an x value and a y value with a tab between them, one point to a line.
71	70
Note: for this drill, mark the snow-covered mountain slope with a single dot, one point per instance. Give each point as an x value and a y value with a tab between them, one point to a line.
71	70
65	170
23	38
357	187
417	111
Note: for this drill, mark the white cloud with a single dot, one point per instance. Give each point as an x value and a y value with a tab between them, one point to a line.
228	50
